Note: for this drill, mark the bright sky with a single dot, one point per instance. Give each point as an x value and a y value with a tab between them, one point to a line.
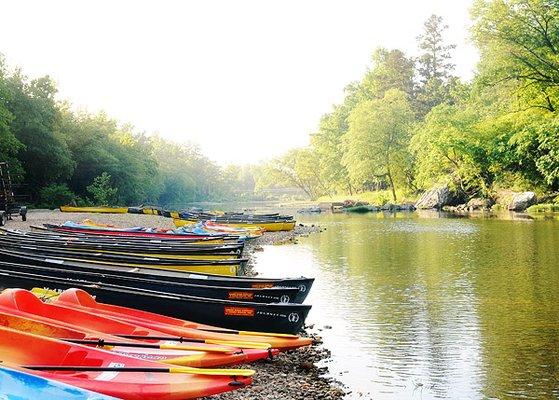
245	80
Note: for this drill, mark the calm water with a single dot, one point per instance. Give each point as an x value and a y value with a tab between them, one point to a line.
430	308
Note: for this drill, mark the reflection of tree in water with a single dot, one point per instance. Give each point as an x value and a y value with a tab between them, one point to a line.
453	311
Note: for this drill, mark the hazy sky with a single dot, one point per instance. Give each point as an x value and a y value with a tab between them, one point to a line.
246	80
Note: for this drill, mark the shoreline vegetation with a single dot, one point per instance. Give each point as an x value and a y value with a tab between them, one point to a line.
410	125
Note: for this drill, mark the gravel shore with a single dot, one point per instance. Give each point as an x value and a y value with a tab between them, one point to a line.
293	375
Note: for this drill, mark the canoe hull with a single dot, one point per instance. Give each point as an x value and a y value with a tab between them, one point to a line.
161	276
277	318
256	295
97	210
20	384
39	350
268	226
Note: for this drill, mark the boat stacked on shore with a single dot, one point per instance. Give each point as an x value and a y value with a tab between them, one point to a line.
211	220
140	313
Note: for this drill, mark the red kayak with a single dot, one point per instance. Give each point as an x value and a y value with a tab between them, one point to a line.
24	303
199	355
117	232
74	298
109	373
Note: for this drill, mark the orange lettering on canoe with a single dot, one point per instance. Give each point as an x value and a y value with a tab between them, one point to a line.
262	285
239	311
241	296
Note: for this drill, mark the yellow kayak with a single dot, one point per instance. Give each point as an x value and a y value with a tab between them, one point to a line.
229	270
158	255
151	211
268	226
103	210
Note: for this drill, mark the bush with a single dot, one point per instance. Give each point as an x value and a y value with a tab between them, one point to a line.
543	208
102	191
55	195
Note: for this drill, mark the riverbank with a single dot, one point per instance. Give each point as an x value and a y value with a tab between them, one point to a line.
290	376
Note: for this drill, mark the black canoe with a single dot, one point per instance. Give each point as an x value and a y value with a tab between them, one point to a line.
252	295
276	317
225	249
158	275
117	258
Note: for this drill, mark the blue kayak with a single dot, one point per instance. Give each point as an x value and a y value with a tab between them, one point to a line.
19	385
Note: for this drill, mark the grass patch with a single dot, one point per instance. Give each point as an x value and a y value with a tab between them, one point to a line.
543	208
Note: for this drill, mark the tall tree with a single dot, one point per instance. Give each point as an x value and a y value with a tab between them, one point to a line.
377	140
434	66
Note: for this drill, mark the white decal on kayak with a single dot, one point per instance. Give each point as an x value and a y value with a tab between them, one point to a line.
196	276
293	317
54	261
302	288
284	299
109	375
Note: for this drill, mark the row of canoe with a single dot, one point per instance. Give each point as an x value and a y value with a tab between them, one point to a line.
268	222
169	276
132	314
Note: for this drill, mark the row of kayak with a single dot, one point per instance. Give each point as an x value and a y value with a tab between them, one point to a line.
189	218
124	352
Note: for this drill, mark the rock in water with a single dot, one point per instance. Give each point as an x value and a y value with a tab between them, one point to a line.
436	197
521	201
478	203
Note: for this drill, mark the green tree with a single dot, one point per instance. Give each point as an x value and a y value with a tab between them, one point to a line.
377	140
434	66
391	70
9	144
102	191
297	168
45	156
451	147
519	45
55	195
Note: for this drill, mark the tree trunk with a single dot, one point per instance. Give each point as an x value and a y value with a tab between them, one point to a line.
349	188
389	174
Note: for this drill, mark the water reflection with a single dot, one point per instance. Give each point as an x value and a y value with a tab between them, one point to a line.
433	307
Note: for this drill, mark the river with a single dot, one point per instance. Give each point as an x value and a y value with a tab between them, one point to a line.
432	308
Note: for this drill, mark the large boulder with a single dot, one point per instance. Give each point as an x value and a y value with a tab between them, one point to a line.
436	198
521	201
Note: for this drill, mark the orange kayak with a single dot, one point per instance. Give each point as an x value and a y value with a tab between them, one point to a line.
25	304
105	372
74	298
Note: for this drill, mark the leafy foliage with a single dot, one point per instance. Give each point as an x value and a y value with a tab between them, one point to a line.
499	131
56	194
377	139
102	191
